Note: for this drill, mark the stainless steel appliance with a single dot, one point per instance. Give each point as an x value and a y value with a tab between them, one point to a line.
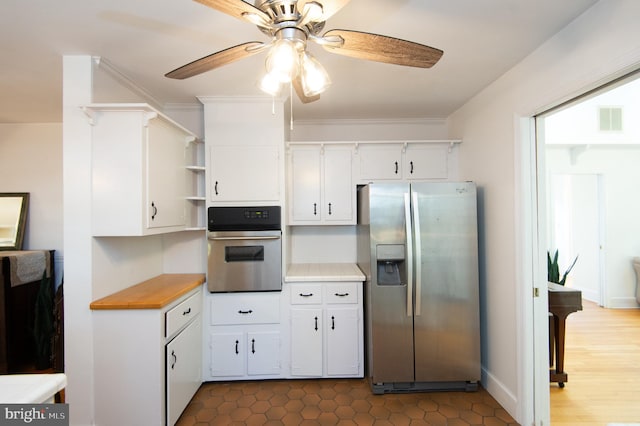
244	249
417	245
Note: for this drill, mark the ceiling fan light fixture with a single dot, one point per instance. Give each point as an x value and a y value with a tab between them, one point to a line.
283	61
314	76
270	85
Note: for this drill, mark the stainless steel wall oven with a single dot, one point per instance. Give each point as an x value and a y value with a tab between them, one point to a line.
244	249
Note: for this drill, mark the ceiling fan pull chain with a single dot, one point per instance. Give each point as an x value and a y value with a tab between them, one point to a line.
291	106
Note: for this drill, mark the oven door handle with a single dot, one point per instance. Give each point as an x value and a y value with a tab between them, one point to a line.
274	237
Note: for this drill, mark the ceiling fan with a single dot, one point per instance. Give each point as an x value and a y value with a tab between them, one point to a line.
291	24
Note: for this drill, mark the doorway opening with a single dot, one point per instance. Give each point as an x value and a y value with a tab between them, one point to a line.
590	184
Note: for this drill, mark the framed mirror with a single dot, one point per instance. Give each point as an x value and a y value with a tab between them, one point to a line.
13	219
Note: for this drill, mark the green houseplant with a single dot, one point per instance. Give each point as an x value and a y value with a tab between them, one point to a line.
553	269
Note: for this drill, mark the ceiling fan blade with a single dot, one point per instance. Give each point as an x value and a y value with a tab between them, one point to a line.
374	47
297	85
329	7
217	59
237	8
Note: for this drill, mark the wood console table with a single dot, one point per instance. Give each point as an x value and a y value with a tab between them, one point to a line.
562	302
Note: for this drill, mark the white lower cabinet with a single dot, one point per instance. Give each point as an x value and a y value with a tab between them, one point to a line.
245	339
326	329
183	371
148	362
245	354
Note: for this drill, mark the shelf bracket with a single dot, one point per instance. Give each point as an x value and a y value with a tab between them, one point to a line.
451	146
91	114
355	147
189	140
404	147
148	116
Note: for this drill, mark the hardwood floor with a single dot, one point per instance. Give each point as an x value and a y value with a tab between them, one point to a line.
602	359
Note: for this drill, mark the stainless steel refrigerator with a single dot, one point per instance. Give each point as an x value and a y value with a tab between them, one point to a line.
418	247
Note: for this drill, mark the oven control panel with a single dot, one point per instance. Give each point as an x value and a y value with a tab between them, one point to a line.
262	218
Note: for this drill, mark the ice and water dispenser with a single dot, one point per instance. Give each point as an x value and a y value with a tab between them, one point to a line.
390	260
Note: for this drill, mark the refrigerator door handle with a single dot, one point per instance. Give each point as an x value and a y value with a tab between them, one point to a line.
407	218
416	227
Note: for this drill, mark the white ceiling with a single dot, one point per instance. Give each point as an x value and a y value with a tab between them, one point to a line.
144	39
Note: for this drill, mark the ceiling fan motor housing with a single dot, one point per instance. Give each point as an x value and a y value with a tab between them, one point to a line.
285	14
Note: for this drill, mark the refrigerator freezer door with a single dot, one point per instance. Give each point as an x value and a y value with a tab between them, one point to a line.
389	328
446	325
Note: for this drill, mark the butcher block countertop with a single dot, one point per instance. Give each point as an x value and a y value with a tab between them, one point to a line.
306	272
154	293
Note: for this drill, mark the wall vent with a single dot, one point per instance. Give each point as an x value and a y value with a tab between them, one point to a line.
610	119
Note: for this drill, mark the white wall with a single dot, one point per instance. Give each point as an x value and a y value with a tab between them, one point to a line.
620	177
368	130
31	161
597	46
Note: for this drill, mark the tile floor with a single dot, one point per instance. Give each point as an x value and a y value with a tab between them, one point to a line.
336	402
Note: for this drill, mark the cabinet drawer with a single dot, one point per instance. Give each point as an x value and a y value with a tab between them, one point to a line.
247	308
346	292
182	313
306	294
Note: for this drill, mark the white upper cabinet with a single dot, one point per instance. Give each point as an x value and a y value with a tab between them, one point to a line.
245	142
321	185
244	173
431	160
139	174
380	162
426	161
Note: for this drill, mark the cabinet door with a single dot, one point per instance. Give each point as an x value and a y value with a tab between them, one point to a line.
306	342
183	365
166	191
263	353
244	173
426	162
227	354
380	162
305	184
338	203
342	351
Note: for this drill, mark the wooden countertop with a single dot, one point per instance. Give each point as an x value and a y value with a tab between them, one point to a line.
154	293
306	272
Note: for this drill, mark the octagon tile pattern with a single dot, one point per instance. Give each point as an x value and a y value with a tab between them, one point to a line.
336	402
